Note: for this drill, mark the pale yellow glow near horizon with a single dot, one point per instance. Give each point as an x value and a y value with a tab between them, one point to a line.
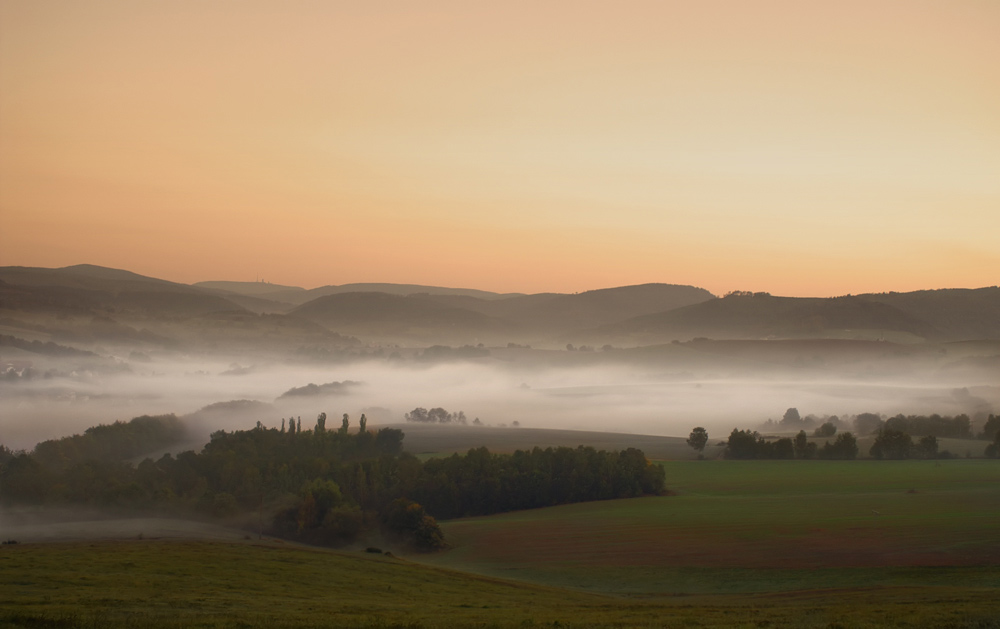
803	148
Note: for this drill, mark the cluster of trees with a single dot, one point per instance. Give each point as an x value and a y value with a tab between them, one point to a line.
958	426
323	486
481	482
746	444
896	444
436	416
117	441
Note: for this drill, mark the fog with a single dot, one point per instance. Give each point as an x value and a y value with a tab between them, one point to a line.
603	391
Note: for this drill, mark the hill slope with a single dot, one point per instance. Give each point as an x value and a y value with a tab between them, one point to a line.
761	316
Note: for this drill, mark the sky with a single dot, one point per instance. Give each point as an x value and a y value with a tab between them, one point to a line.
800	148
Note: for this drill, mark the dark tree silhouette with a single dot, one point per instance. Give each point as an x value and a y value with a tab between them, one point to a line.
698	438
891	444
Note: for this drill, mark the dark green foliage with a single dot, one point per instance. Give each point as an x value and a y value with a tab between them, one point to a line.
927	447
436	415
744	444
845	447
6	454
112	442
804	449
791	418
328	487
992	428
993	450
826	430
959	427
891	444
698	439
482	483
408	521
784	449
867	423
24	480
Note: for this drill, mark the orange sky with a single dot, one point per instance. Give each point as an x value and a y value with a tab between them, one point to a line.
802	148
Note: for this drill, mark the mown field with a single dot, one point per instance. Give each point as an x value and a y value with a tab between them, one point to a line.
756	526
824	544
148	583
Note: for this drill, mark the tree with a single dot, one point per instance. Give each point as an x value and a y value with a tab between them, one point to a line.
744	444
803	448
826	430
867	423
993	450
927	448
844	448
362	423
321	423
992	428
344	424
791	417
698	439
783	449
409	521
891	444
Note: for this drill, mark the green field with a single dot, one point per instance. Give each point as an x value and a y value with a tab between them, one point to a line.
824	544
231	584
756	526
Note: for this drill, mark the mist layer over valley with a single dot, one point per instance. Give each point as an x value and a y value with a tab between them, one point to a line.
85	345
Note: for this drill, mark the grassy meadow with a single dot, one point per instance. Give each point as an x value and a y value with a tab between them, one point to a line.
149	583
756	526
824	544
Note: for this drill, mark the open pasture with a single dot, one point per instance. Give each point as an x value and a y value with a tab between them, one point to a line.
148	583
442	440
756	526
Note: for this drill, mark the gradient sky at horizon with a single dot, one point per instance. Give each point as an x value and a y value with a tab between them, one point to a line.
801	148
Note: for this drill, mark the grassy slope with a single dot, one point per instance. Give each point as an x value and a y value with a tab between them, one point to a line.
212	584
756	526
438	439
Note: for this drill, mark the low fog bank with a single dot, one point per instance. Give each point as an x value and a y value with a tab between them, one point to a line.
52	524
647	391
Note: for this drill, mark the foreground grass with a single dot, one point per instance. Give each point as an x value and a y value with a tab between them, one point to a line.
252	584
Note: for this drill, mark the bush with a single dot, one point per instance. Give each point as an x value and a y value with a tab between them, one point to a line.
407	521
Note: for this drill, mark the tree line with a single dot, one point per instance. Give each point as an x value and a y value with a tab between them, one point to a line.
747	444
320	486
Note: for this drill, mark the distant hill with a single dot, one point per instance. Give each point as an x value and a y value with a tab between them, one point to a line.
114	303
762	316
369	314
604	306
297	296
554	312
956	313
251	289
92	288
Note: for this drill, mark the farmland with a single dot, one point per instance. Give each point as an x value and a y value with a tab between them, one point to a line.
150	583
736	544
756	526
